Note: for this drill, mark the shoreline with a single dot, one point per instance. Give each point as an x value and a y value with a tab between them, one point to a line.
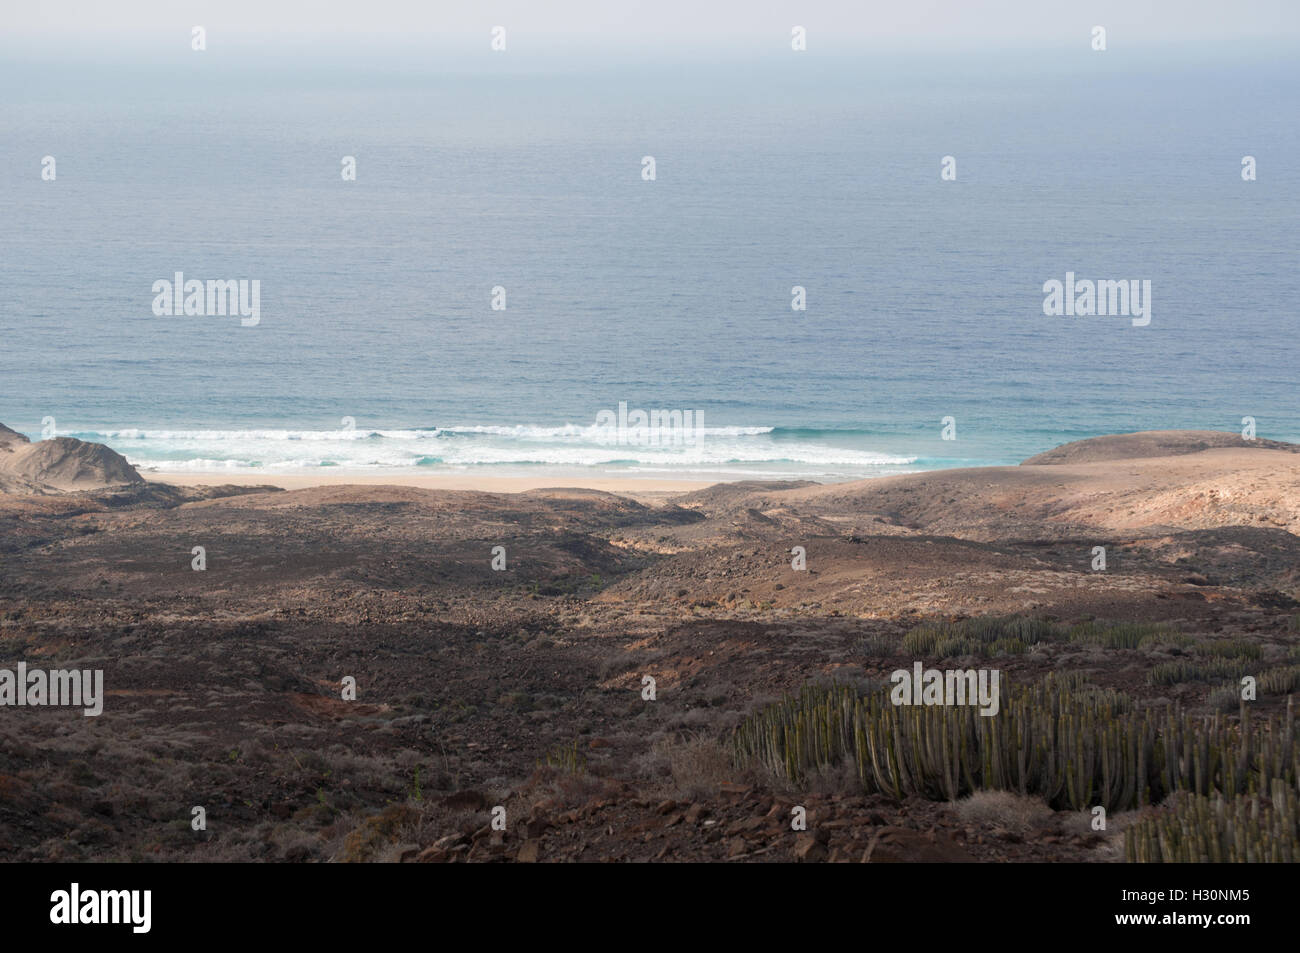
431	481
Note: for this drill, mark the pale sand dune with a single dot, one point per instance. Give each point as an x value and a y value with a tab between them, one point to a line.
1147	444
1193	490
430	481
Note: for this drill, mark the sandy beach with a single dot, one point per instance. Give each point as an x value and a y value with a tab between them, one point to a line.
483	484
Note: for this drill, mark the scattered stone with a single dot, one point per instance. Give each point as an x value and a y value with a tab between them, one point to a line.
808	849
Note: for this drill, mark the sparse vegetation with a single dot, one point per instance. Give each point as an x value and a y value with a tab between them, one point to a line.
992	636
984	636
566	758
1225	698
1182	671
1127	635
1228	648
1003	810
885	646
1280	681
698	764
378	832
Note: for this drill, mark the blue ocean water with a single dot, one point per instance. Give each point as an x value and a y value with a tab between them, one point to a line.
924	297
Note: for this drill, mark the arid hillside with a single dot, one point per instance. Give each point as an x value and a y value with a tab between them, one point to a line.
500	646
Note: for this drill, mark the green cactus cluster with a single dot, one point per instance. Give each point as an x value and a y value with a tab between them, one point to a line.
933	643
1280	680
1212	670
565	757
1225	698
985	637
1006	647
992	636
1071	744
878	646
1212	829
1228	648
1127	635
1283	680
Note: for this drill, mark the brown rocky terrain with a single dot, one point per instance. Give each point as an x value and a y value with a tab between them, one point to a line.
522	688
11	439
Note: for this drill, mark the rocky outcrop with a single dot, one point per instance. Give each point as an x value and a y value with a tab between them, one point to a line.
11	440
59	464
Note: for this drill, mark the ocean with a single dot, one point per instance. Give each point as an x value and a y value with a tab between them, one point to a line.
377	346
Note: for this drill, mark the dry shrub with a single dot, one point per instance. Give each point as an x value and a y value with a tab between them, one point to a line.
378	832
1004	810
698	764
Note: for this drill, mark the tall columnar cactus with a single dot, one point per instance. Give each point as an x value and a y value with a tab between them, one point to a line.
1212	829
1075	746
1214	669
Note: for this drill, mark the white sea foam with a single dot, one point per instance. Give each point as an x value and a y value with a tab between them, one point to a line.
739	450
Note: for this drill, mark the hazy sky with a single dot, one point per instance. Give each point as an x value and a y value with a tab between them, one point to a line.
657	24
